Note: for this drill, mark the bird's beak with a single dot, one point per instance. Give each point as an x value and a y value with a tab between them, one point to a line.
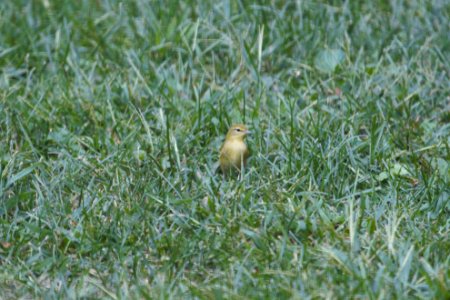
248	132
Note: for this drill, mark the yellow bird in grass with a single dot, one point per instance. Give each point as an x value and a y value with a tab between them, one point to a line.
234	151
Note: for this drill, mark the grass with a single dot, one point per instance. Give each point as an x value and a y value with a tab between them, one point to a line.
112	114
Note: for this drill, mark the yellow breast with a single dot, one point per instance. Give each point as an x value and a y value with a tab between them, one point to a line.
233	155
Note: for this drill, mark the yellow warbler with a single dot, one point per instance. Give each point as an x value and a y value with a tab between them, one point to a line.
234	151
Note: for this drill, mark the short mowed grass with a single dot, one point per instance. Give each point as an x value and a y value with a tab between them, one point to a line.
112	114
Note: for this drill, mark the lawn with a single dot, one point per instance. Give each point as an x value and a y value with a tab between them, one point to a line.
112	114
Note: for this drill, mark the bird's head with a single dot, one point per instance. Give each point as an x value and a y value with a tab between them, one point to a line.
237	131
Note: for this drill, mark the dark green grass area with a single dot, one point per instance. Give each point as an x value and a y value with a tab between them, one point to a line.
111	118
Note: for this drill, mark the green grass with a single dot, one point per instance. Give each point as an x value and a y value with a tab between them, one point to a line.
112	114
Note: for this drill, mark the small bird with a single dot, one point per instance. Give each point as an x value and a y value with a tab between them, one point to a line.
234	151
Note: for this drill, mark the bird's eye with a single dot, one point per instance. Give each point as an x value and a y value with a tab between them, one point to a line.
237	129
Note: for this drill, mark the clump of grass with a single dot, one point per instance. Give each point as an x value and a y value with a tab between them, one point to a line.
112	113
